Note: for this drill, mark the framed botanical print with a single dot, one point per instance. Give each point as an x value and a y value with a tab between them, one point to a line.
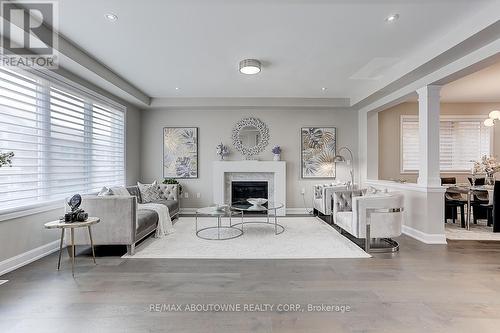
180	152
318	147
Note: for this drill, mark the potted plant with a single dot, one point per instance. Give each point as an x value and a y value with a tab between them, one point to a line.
173	181
276	153
222	151
489	166
6	159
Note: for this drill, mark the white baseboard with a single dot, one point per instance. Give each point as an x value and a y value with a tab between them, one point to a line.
298	211
25	258
424	237
188	210
289	211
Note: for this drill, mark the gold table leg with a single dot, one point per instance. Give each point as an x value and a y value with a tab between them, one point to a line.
73	251
92	244
60	249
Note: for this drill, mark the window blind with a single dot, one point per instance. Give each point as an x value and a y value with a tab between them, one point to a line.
461	140
65	141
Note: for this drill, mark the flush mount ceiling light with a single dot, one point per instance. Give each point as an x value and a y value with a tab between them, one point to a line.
111	17
249	66
392	18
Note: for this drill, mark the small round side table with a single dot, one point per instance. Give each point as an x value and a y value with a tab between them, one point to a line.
229	232
72	225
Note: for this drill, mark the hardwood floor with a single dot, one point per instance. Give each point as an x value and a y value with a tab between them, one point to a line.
423	288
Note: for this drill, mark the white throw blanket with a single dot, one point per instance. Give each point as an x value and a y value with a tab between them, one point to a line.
164	221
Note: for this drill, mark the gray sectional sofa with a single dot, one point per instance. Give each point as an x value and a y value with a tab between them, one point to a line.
122	222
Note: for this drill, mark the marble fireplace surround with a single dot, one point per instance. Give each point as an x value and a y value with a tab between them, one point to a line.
274	172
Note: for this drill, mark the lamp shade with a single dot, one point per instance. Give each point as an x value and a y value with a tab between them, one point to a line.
339	159
495	114
489	122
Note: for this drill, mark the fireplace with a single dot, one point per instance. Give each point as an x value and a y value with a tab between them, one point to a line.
243	190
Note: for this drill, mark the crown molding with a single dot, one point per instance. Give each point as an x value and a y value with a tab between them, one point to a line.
250	103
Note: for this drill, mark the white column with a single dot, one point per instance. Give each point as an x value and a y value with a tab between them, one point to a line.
428	120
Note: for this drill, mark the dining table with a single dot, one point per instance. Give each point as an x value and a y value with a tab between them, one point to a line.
469	190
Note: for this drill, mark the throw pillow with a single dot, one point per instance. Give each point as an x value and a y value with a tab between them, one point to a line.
104	192
150	192
120	190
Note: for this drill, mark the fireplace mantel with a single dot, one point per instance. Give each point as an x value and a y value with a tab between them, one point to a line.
277	168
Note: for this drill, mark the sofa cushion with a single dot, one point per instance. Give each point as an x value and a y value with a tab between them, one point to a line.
145	219
173	205
150	192
134	190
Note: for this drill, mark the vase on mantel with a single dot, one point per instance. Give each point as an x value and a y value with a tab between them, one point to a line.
276	157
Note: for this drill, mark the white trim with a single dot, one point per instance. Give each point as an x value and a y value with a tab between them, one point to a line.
404	186
424	237
14	213
8	265
188	210
298	211
289	211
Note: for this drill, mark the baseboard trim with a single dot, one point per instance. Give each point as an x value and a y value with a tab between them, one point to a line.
8	265
289	211
298	211
424	237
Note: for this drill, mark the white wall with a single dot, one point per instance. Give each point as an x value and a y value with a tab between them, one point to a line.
216	126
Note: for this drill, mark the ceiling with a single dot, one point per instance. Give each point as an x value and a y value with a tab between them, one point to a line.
195	45
481	86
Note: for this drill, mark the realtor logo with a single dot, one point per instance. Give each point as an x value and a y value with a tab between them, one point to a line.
28	33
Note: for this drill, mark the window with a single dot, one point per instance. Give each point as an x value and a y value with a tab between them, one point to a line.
461	140
65	141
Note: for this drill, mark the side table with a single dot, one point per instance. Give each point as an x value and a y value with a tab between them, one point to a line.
72	225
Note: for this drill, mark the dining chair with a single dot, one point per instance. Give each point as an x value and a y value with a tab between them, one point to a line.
496	207
453	201
479	202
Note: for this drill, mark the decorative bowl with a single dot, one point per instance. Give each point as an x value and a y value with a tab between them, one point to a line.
220	208
257	201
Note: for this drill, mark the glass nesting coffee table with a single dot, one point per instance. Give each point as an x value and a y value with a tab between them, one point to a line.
267	209
218	231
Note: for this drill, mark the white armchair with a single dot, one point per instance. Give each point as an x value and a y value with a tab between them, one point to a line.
323	197
378	216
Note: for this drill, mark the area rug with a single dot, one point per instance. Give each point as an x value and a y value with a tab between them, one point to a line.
304	237
478	231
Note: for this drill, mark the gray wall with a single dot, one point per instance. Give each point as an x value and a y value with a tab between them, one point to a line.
216	126
26	233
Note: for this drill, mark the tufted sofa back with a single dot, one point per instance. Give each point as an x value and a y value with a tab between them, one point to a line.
343	200
170	191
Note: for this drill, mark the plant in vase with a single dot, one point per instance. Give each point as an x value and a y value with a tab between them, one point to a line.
6	159
487	165
276	153
173	181
222	151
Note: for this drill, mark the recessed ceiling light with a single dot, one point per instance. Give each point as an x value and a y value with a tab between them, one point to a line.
392	18
323	89
249	66
177	88
111	17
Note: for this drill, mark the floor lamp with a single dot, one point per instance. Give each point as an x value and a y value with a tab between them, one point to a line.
341	159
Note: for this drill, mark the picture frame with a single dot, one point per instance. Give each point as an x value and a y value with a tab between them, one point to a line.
317	152
180	152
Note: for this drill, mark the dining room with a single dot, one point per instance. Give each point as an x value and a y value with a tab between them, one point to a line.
469	151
